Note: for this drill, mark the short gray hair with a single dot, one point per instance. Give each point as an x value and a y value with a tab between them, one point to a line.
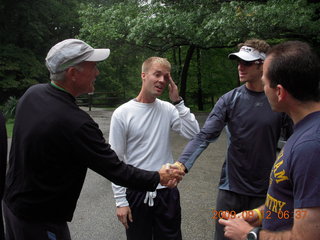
61	75
58	76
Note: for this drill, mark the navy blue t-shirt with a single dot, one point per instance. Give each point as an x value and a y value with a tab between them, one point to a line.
295	177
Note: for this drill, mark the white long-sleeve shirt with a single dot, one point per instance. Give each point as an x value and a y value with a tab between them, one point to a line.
140	135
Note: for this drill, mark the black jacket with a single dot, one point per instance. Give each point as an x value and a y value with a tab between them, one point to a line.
54	142
3	165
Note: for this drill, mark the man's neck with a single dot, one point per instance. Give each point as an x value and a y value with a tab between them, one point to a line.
63	87
299	111
144	98
255	86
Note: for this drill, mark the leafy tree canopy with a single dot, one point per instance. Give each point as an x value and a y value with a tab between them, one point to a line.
163	25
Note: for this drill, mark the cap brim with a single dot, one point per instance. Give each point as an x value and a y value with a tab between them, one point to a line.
99	55
243	55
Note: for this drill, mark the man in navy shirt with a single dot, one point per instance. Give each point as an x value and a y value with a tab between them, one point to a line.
291	77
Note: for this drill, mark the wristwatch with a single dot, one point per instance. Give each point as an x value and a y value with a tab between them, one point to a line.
254	234
177	102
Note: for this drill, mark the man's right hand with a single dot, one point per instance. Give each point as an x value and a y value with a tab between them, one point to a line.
124	214
169	176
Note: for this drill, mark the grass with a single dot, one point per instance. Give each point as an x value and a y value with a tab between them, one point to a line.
9	126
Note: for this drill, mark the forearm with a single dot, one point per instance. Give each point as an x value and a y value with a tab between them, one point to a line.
306	227
192	151
120	195
283	235
189	125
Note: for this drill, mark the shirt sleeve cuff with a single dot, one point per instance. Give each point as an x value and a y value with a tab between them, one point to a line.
121	202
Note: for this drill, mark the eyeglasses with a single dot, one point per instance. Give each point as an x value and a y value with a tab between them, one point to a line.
249	63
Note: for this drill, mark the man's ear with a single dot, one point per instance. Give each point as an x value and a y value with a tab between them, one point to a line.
143	76
71	74
282	93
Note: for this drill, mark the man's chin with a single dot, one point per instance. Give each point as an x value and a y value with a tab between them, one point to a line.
158	93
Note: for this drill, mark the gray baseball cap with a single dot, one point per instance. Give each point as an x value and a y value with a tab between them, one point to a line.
71	52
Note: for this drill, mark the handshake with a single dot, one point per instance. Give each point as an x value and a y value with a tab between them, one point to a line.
171	174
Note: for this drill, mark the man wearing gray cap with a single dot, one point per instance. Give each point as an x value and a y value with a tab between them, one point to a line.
55	142
253	130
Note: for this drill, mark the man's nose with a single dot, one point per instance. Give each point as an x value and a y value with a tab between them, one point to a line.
241	66
162	79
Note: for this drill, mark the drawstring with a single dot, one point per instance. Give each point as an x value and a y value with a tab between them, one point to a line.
149	198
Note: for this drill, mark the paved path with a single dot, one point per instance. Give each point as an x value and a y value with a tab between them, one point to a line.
95	218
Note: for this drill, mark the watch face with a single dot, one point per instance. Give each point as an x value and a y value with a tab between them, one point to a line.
252	236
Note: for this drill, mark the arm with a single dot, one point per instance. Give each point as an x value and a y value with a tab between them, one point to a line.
305	227
93	152
97	155
123	210
210	132
185	122
117	141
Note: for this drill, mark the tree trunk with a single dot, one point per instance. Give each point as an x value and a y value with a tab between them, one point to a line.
184	73
177	62
200	102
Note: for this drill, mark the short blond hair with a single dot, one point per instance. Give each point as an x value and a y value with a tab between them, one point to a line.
152	60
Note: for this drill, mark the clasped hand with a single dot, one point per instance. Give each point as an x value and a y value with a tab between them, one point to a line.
171	175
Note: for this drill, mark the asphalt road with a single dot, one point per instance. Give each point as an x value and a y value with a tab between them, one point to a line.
95	218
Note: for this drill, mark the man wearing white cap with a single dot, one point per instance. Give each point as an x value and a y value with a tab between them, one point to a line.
253	130
55	142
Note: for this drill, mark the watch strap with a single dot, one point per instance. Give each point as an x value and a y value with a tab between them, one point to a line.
177	102
256	232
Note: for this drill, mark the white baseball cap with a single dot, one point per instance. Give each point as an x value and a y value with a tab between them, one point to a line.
248	54
71	52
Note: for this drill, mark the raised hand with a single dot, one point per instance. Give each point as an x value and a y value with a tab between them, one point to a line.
173	90
170	176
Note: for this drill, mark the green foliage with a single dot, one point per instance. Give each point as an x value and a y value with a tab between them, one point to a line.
137	29
107	26
9	108
37	24
273	19
9	127
28	29
19	68
169	28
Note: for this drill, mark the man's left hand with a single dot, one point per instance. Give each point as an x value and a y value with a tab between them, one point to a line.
236	229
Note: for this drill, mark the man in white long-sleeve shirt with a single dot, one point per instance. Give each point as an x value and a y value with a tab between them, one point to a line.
140	135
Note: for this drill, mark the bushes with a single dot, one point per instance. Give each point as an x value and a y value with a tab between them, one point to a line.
9	108
19	69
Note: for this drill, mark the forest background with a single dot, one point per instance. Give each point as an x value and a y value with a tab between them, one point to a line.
195	35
